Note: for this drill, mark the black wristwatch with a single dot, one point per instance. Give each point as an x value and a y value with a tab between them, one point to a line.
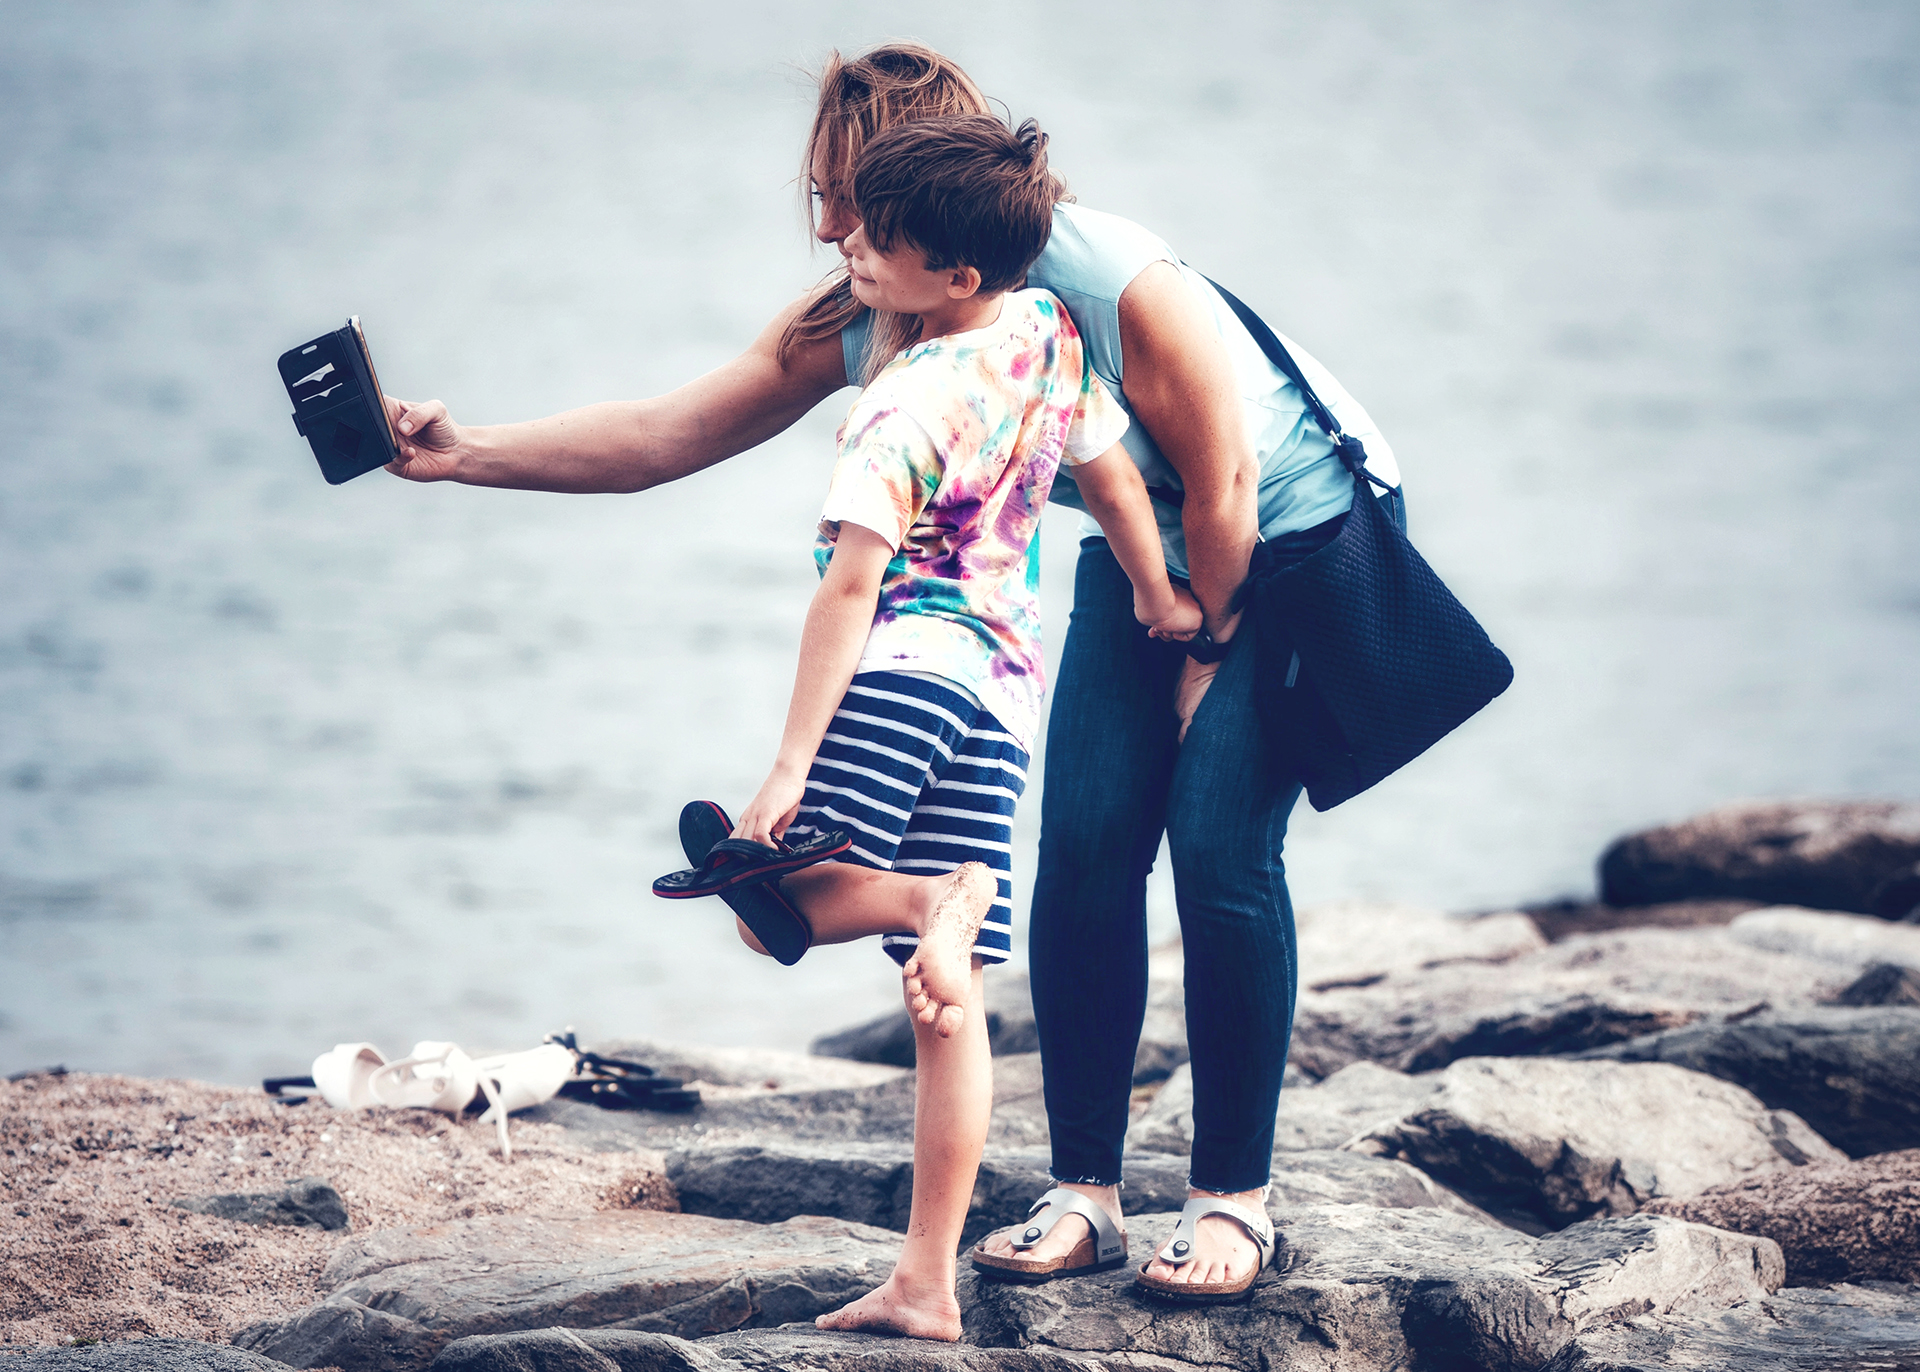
1202	648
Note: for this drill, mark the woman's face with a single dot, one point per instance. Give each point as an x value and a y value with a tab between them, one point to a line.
834	215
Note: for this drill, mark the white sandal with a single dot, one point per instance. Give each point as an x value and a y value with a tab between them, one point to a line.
343	1073
517	1081
435	1076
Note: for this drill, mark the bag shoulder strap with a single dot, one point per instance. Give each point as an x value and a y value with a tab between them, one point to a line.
1352	455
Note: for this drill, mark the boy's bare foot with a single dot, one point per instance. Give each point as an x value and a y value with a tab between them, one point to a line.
940	973
1068	1234
898	1306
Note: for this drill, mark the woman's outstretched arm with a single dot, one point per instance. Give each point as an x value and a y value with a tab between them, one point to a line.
627	445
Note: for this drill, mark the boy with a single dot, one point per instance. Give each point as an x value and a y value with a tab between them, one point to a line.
920	680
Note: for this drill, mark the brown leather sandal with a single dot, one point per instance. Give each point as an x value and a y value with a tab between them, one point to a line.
1101	1251
1178	1251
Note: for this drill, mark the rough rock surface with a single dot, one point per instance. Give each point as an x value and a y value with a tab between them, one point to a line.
1843	1329
1577	994
309	1203
1833	855
776	1350
1853	1075
1356	943
1540	1141
141	1355
759	1350
1562	919
1312	1114
873	1183
1883	983
562	1349
396	1297
1851	941
1371	1289
1851	1221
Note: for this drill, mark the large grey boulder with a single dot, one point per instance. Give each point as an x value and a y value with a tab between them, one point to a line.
1852	1074
1353	942
561	1349
1312	1114
396	1297
141	1355
1578	994
309	1203
1371	1289
1793	1330
1829	855
1546	1142
776	1350
1852	1221
1850	941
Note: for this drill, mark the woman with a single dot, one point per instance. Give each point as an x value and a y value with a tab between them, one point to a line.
1224	440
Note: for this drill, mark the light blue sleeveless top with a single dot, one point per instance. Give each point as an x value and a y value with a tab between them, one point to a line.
1089	261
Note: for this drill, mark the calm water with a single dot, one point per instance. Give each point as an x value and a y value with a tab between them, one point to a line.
1632	287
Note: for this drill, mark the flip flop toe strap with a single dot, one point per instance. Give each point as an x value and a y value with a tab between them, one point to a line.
1177	1251
1056	1205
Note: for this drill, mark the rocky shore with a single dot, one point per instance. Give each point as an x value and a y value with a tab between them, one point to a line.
1581	1138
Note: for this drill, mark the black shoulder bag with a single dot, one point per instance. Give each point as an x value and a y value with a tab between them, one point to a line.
1364	659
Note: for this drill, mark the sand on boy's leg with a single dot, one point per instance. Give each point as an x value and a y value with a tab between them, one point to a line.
844	901
953	1099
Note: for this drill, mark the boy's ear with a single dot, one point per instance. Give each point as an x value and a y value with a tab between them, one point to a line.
964	281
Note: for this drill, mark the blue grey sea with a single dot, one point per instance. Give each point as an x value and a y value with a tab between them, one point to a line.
1633	288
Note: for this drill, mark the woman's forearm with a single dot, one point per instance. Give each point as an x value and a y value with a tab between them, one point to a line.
1221	525
628	445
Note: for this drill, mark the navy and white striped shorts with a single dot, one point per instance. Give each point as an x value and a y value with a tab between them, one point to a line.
922	779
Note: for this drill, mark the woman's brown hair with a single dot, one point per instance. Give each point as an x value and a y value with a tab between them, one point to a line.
893	84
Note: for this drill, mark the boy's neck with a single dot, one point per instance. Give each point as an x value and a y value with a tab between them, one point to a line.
958	316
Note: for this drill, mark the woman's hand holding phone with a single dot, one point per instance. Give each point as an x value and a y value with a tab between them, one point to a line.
430	442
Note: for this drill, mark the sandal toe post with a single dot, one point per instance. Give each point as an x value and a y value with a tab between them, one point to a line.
1104	1249
1178	1251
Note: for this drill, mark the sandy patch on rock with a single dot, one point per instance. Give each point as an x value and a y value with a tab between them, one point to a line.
92	1249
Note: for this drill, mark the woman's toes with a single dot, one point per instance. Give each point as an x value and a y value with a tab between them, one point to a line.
951	1020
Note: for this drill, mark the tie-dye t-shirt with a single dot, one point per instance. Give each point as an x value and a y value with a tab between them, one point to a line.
948	454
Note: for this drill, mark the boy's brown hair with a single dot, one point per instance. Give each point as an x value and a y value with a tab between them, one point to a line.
860	98
966	191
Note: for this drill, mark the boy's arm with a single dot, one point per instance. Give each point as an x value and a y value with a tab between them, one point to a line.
1111	488
838	622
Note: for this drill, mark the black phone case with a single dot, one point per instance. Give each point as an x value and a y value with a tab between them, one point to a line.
336	403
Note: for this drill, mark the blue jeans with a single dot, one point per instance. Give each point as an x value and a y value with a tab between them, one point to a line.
1116	777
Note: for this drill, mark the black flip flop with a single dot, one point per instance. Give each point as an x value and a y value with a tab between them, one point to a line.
782	930
741	862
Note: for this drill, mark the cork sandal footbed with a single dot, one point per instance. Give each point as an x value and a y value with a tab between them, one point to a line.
1078	1262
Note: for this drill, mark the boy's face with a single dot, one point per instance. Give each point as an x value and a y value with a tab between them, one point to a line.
899	282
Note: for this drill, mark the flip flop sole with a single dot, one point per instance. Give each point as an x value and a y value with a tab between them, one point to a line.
781	929
689	884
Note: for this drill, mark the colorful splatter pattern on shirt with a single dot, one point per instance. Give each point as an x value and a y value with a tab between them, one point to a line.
949	454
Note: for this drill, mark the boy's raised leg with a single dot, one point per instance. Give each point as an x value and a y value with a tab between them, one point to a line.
953	1098
844	901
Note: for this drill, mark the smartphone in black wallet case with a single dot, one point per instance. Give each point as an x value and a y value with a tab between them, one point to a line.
337	405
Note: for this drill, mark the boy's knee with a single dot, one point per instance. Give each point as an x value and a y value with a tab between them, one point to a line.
746	937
